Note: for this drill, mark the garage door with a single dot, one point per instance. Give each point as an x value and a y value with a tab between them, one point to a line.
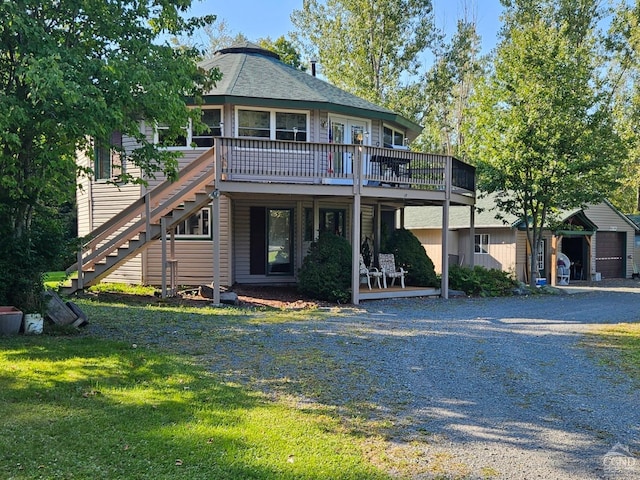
610	254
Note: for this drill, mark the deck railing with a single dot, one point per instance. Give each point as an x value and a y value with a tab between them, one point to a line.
331	163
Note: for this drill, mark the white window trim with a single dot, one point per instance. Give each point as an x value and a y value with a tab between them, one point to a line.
272	121
189	133
481	244
204	236
394	130
347	120
199	135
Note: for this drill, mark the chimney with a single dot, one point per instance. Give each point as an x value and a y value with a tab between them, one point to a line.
313	67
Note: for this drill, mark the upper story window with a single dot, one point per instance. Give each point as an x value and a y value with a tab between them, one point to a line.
185	137
273	125
167	137
392	137
212	118
107	160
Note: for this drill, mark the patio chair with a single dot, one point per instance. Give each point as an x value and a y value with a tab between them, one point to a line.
370	272
387	263
564	265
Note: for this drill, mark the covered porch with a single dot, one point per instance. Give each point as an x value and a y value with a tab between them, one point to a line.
356	174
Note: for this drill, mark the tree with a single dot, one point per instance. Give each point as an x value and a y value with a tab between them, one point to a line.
543	134
368	47
71	73
286	50
624	42
448	86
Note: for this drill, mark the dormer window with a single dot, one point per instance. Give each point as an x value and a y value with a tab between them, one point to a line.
272	125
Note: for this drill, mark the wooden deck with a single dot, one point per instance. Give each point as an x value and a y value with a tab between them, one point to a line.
397	292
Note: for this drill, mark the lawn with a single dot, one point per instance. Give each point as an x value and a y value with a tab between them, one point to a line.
619	346
78	406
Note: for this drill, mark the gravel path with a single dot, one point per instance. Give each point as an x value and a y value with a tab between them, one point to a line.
461	388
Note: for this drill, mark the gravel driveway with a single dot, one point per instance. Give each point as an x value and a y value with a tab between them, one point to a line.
462	388
467	388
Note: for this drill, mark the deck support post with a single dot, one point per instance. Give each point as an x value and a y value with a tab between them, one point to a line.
444	287
163	239
472	237
215	223
355	248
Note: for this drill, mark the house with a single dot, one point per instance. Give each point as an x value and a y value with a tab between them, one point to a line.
287	155
598	240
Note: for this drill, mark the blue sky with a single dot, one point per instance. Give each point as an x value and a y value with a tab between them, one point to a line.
270	18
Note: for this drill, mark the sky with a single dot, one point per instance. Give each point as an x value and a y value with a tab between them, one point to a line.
271	18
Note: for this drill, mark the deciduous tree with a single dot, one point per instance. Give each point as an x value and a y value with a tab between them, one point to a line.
368	47
72	71
543	134
448	86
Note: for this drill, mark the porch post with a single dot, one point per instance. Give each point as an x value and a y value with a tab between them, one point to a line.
555	242
378	230
215	224
355	248
444	288
163	232
472	237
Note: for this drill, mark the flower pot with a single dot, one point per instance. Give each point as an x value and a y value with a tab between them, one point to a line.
33	323
10	320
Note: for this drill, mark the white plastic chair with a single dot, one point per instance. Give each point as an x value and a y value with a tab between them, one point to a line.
564	269
370	272
387	263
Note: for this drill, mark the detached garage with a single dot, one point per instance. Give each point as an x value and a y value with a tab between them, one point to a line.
613	249
601	243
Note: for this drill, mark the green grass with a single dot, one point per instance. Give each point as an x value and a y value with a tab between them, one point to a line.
123	288
76	406
619	346
54	279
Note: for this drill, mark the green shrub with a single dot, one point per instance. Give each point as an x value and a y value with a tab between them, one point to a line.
326	270
480	281
411	255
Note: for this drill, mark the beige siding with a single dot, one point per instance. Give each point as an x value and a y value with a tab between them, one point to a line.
502	249
607	219
108	200
431	240
83	199
522	255
195	257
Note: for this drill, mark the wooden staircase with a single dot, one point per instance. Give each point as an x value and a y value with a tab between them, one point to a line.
136	227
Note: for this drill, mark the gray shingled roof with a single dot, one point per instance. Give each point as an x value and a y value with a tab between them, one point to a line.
255	76
431	217
635	219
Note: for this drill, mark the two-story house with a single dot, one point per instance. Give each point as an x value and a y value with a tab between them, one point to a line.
286	156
